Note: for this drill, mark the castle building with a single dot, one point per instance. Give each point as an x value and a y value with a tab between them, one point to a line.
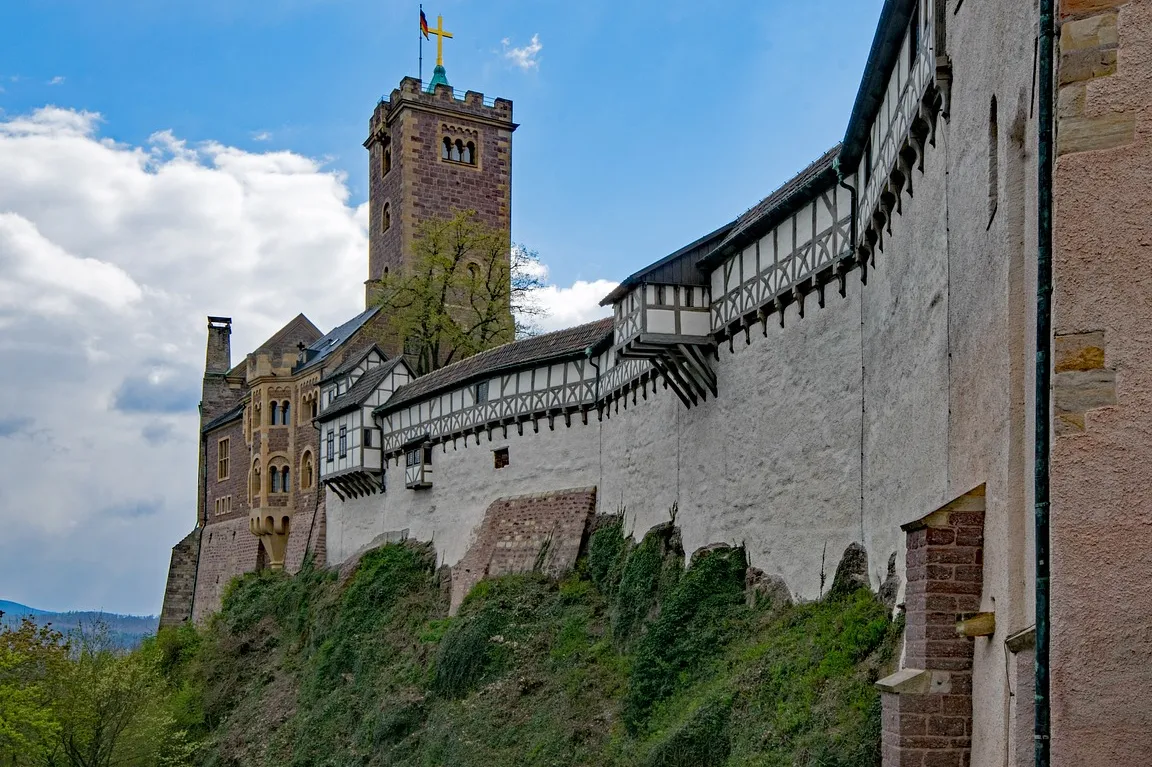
849	365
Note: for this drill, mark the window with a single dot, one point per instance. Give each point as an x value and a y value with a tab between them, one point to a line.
689	297
255	490
481	392
286	413
222	460
315	408
330	453
412	458
500	457
993	162
274	478
343	441
660	295
286	482
367	438
306	471
458	151
427	455
385	156
224	505
275	413
386	217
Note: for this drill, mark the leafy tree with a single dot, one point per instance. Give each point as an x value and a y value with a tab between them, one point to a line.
31	658
465	291
114	708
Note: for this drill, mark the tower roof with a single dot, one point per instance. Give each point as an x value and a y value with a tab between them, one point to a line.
439	77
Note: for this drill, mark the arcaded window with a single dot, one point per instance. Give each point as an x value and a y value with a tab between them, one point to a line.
458	150
286	413
255	481
274	479
286	481
274	413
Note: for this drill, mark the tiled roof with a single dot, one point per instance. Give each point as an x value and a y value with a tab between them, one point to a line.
225	417
782	202
562	343
350	364
321	348
360	391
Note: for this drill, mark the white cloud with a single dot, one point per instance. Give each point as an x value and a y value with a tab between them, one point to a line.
261	135
564	307
524	56
57	80
111	257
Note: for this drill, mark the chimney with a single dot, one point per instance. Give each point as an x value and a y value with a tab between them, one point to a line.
219	358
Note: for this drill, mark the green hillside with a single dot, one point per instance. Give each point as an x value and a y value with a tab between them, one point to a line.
632	660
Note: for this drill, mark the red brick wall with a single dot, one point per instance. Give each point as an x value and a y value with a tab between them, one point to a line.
929	721
515	531
227	550
236	485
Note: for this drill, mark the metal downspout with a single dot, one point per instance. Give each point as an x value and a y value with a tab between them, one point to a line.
1043	730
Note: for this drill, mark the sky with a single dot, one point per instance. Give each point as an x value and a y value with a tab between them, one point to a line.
163	160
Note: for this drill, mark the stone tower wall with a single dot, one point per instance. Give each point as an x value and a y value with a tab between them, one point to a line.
421	185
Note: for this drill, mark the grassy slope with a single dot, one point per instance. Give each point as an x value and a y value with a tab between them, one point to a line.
633	660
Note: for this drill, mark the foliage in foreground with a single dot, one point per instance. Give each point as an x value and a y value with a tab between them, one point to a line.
82	701
632	660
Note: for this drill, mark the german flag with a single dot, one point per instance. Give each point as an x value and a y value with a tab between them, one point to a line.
424	24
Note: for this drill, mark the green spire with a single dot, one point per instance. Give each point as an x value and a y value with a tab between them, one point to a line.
439	77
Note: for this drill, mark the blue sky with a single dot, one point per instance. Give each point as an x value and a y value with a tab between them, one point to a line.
644	125
161	161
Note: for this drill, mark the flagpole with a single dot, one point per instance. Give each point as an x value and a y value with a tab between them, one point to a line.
421	35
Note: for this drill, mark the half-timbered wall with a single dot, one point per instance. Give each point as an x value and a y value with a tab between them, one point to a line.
667	310
358	453
570	386
804	244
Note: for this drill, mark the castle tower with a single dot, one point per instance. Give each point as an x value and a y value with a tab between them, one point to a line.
431	155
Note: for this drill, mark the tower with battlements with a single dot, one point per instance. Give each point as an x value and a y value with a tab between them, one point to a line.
433	153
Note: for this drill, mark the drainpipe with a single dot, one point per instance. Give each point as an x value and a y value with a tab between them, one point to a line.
592	361
852	191
1043	731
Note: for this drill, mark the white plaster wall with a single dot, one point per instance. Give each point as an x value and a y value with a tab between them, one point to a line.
465	483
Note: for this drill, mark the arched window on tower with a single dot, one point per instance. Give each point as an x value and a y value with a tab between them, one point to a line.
446	148
469	153
274	412
285	483
274	479
306	471
255	482
457	150
286	413
386	157
386	217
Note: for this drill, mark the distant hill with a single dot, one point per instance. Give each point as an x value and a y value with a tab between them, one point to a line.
126	630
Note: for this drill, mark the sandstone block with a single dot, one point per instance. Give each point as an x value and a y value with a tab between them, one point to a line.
1086	134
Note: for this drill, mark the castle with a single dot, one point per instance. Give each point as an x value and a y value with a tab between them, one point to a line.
852	364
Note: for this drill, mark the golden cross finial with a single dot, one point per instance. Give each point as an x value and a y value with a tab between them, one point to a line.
438	30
